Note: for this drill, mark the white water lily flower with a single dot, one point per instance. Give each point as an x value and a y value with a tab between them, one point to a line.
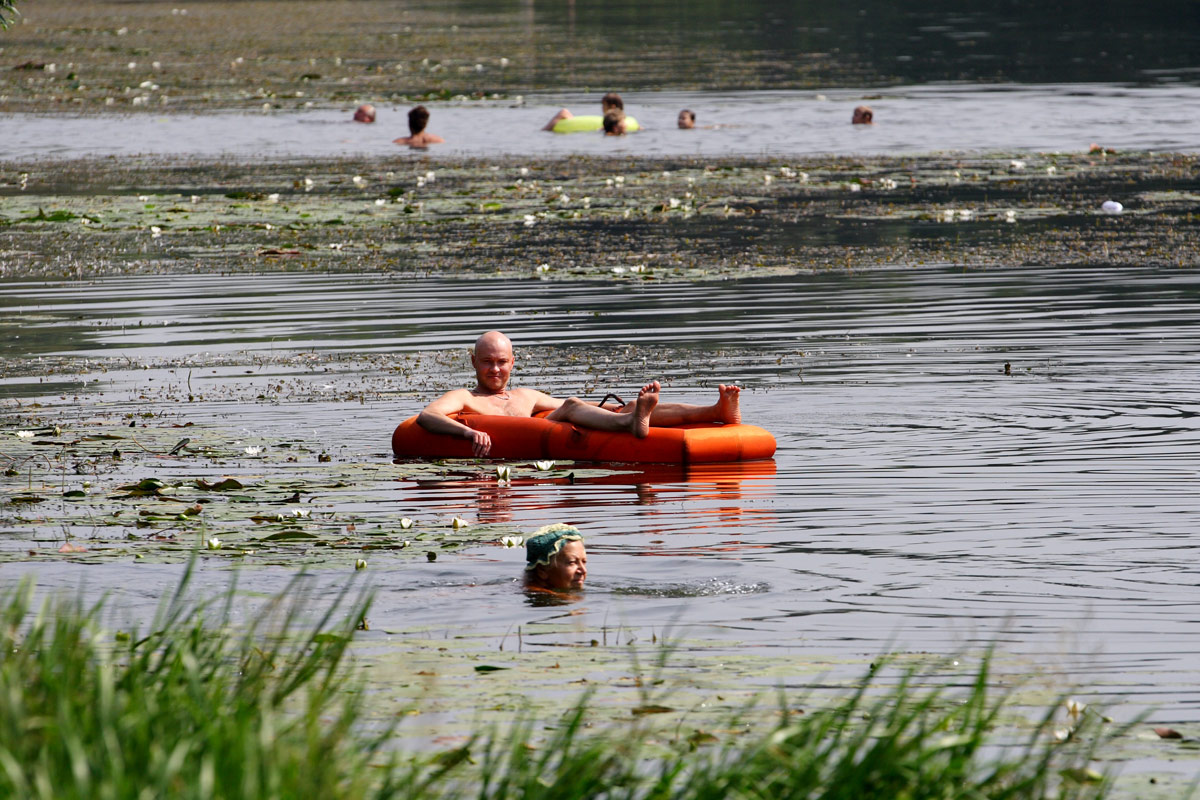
430	176
359	180
252	451
887	183
504	62
308	184
638	268
458	522
512	541
301	512
380	202
504	473
544	465
1050	170
803	177
420	181
213	544
25	434
1010	216
768	178
155	232
621	178
543	267
406	523
360	564
673	202
530	220
1016	166
524	171
618	270
273	198
1074	707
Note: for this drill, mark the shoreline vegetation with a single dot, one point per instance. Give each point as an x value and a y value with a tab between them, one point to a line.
676	218
199	707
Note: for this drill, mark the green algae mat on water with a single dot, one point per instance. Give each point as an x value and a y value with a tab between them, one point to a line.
637	220
101	491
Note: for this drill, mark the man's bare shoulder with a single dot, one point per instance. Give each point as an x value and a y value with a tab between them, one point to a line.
451	402
523	393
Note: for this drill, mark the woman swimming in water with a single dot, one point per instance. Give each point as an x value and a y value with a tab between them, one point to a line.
556	560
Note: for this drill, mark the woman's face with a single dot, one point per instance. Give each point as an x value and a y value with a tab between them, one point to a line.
567	570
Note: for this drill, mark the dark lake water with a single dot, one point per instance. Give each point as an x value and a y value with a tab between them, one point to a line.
920	497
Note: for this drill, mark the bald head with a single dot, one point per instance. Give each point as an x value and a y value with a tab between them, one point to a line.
490	340
492	358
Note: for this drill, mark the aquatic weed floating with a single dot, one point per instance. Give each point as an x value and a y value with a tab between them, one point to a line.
527	438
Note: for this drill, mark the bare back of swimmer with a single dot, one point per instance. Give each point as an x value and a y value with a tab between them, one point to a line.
493	360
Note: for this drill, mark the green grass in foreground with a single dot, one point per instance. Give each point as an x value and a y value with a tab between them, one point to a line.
196	709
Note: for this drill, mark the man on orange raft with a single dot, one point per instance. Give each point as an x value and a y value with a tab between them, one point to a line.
492	358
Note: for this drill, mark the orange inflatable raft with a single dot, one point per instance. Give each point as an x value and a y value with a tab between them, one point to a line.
539	438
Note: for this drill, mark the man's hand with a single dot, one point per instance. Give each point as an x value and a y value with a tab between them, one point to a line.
481	443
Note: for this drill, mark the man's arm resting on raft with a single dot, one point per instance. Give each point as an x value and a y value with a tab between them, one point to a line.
435	419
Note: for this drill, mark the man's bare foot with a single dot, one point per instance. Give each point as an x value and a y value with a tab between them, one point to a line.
647	400
728	409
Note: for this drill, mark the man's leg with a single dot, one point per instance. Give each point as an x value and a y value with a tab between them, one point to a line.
726	410
636	419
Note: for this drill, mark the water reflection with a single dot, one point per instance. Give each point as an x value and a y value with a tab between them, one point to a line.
715	494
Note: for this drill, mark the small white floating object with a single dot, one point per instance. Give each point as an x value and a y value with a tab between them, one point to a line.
512	541
155	231
1016	166
504	62
360	564
380	202
273	198
458	522
359	180
253	451
1111	207
543	268
618	270
213	544
504	473
530	220
544	465
1010	216
24	434
406	523
300	512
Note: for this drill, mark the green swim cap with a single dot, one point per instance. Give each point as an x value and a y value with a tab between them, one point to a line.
545	543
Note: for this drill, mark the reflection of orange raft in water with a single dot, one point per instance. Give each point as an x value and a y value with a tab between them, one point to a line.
536	437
